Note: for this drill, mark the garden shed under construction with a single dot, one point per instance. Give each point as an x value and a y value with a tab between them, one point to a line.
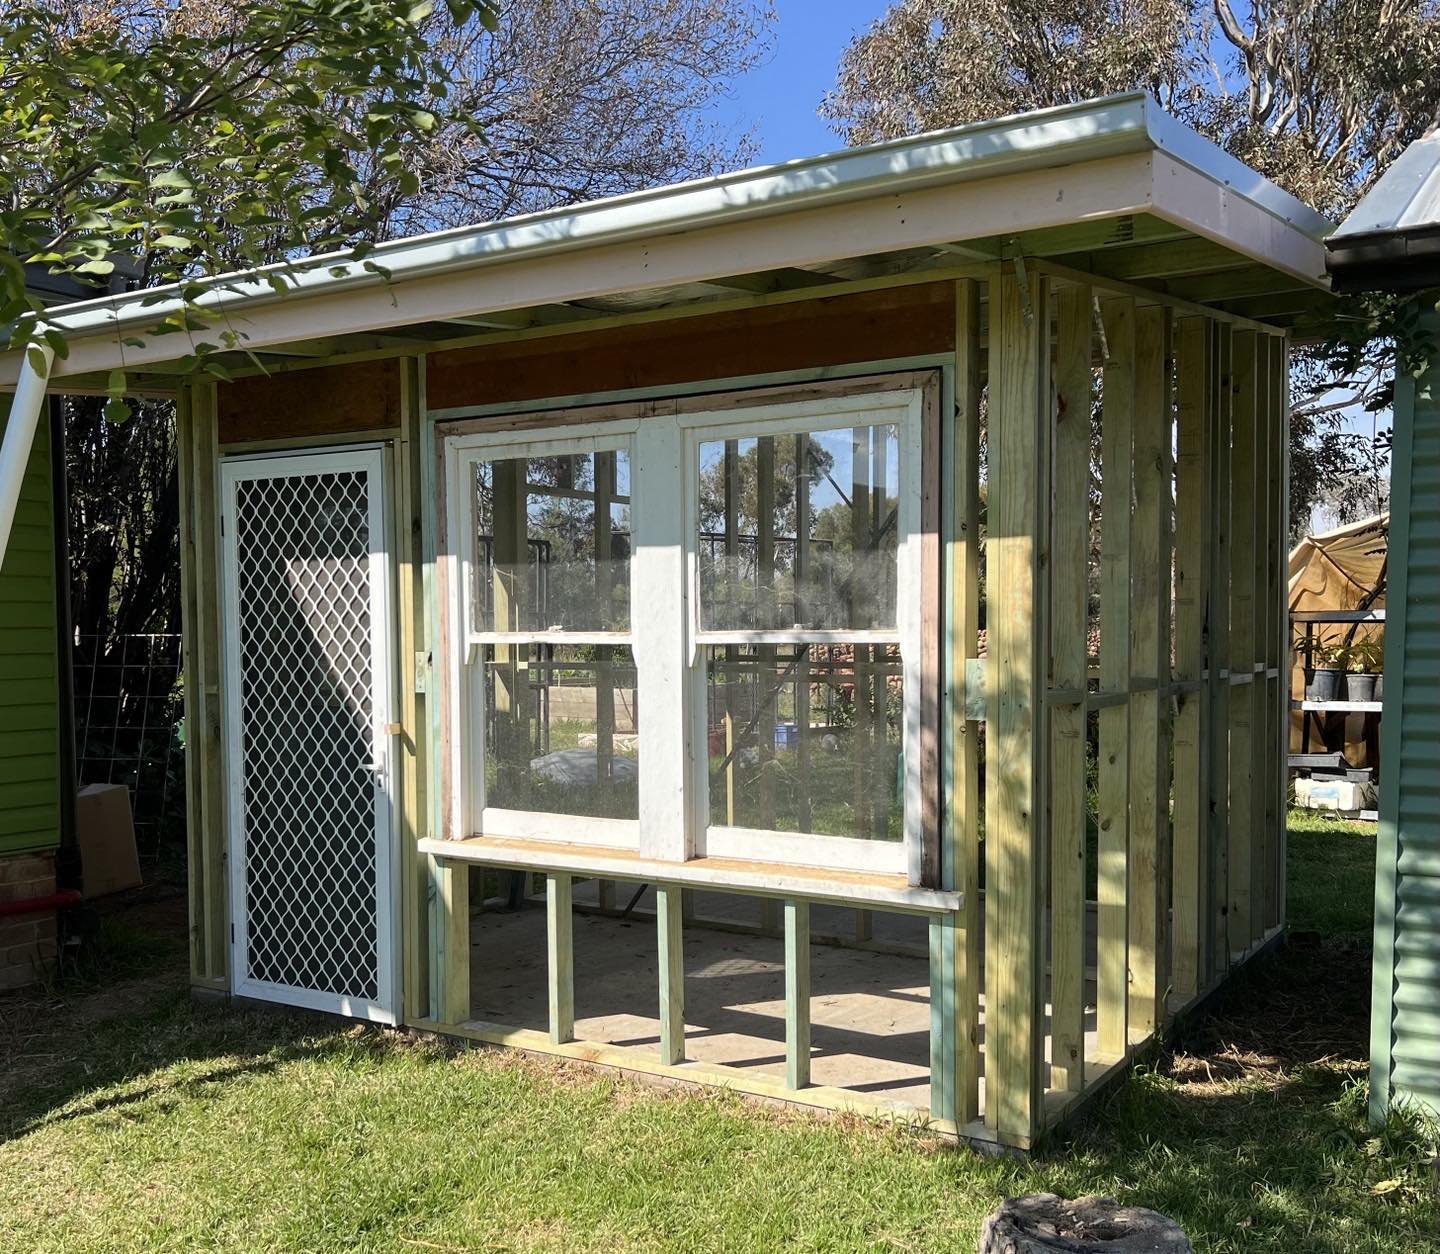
584	615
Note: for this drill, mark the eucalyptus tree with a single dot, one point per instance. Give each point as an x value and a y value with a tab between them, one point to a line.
1318	95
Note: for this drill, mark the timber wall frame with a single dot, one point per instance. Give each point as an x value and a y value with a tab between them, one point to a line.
1180	858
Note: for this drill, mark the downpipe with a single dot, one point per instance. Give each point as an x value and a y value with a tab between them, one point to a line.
25	409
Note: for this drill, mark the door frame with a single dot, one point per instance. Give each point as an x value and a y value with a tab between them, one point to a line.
375	461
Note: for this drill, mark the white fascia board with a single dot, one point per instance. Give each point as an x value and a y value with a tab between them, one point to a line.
1190	148
935	215
1086	136
1215	211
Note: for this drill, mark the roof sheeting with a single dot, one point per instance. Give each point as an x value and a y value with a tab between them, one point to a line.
1407	197
1391	239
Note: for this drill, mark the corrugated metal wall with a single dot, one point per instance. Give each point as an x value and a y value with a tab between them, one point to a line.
29	683
1405	1045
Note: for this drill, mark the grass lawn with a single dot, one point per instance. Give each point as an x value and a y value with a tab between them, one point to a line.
133	1118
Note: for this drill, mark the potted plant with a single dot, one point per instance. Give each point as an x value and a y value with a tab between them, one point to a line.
1322	680
1364	660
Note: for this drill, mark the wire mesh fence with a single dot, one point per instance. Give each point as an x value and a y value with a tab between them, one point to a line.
129	729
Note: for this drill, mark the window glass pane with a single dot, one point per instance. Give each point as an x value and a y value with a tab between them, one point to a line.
800	531
806	738
561	735
552	543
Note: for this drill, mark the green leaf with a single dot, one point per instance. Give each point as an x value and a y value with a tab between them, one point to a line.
171	178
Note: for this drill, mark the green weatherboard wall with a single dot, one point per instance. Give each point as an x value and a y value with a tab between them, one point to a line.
1405	1023
29	683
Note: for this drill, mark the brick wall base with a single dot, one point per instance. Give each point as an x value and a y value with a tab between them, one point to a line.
28	942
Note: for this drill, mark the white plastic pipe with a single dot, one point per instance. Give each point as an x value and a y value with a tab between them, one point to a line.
25	409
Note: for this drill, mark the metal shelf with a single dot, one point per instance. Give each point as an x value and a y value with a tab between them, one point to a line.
1337	616
1339	707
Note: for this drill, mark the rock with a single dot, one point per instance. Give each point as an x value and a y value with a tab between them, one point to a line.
581	766
1045	1224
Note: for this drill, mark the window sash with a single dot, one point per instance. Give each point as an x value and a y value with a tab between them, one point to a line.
464	453
901	409
472	813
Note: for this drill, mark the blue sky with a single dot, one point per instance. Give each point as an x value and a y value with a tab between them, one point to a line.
781	97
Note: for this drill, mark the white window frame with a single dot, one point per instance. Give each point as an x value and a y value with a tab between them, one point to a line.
665	637
903	409
470	814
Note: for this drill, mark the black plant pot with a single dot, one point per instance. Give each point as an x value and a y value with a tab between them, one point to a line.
1360	687
1324	684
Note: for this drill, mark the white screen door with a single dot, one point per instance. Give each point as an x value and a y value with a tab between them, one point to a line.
308	698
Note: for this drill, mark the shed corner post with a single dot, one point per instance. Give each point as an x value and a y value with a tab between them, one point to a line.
206	810
1016	560
409	529
955	937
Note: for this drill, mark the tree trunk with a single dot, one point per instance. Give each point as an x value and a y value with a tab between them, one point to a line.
1045	1224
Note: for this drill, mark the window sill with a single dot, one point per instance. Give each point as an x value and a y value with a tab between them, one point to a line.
766	879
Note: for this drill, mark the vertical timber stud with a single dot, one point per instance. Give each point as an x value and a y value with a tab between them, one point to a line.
1015	874
1190	879
205	724
1069	549
669	930
1263	807
1242	643
560	954
1218	652
1112	961
450	968
955	940
966	747
1149	675
414	718
1279	601
797	994
194	815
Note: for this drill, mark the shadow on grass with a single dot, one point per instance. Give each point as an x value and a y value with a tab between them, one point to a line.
48	1070
121	1011
1249	1125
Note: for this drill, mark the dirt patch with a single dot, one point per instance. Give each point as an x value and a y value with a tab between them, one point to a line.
1306	1005
128	951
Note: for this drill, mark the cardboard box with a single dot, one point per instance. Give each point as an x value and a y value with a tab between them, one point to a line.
106	834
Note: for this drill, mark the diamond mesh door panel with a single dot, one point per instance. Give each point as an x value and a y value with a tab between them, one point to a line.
306	718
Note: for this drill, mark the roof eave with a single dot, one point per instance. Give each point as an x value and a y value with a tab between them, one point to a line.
1069	134
1389	260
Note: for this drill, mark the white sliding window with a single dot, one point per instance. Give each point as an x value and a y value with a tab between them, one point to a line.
804	614
546	700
